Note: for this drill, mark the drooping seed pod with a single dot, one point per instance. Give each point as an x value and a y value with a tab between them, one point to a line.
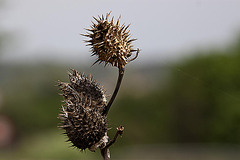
81	115
110	42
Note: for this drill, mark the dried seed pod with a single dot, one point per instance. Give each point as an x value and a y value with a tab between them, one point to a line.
81	115
110	42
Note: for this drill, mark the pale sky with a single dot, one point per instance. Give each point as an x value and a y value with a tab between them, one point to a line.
164	28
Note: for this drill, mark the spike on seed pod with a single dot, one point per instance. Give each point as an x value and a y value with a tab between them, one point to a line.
110	42
81	116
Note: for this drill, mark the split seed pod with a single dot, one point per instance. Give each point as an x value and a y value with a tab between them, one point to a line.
110	42
81	115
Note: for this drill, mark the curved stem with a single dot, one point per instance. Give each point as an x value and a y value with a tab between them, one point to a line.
138	50
105	151
120	77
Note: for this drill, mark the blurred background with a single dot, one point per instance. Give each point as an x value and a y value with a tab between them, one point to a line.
179	100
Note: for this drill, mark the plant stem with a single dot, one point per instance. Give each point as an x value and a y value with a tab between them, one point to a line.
120	77
105	151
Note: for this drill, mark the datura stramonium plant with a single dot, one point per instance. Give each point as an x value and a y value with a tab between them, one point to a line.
84	113
111	42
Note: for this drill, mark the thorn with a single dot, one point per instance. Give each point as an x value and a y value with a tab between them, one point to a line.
108	15
112	20
131	40
86	35
118	21
96	62
122	28
96	19
91	30
93	24
126	28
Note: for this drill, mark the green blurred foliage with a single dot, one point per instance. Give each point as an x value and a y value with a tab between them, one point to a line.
197	101
30	96
204	97
200	103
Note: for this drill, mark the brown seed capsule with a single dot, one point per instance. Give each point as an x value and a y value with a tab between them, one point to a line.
81	115
110	42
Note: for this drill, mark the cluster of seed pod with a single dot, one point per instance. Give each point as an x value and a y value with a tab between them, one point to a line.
81	115
84	114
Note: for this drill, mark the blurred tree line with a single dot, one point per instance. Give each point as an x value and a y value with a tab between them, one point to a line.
198	103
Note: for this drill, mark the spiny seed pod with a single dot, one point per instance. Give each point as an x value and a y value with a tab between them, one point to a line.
110	42
81	115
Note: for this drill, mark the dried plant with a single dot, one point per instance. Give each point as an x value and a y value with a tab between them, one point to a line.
110	42
84	113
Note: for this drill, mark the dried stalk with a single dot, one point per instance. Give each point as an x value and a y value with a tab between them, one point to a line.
105	152
120	77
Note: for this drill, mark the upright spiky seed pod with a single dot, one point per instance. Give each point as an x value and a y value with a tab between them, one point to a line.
81	115
110	42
